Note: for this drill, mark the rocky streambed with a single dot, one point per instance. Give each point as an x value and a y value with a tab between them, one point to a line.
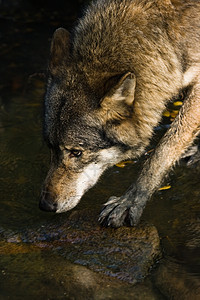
125	253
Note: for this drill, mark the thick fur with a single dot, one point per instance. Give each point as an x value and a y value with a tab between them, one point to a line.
108	84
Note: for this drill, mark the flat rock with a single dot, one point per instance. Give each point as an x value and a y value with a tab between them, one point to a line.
126	253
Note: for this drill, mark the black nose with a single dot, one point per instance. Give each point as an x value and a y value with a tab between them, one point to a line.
46	203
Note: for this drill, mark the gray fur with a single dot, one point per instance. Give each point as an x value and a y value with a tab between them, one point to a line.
109	82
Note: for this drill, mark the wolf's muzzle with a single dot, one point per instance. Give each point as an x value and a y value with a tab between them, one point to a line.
46	202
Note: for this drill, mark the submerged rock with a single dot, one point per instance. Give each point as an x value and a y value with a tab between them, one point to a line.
178	277
126	253
46	275
175	282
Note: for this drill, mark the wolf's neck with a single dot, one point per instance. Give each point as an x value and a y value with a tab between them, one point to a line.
150	102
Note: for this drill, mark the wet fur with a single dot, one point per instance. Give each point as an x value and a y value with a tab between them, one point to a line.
109	82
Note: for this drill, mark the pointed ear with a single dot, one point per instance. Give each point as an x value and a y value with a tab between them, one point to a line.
117	104
125	89
60	45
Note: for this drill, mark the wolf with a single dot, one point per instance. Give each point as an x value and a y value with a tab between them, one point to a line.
109	80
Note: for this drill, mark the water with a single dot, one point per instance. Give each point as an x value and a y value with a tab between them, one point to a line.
26	272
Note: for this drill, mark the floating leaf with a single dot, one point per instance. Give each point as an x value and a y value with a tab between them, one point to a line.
177	103
166	113
174	113
123	164
166	187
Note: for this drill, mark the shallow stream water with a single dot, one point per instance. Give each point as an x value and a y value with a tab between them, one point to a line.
27	274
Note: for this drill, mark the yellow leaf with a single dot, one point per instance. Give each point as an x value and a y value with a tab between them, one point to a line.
123	164
174	113
177	103
166	187
166	113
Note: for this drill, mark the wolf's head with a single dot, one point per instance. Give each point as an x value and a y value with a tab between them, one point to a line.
88	124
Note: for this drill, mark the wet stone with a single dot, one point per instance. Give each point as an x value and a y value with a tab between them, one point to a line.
63	280
175	279
176	282
126	253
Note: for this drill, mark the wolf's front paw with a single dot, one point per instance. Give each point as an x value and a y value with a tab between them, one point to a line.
119	211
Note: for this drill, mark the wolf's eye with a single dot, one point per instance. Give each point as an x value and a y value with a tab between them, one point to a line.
75	153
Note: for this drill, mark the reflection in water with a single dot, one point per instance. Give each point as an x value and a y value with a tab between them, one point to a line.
23	157
178	283
24	161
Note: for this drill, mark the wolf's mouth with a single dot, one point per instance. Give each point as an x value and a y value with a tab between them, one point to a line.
68	205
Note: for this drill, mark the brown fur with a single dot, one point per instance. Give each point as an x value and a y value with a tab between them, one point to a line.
109	83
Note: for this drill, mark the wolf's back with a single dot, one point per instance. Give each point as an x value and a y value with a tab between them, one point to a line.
111	31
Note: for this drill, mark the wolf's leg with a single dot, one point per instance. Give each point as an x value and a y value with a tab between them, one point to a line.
129	207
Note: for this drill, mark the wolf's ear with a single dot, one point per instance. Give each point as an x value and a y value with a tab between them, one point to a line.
60	45
117	104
